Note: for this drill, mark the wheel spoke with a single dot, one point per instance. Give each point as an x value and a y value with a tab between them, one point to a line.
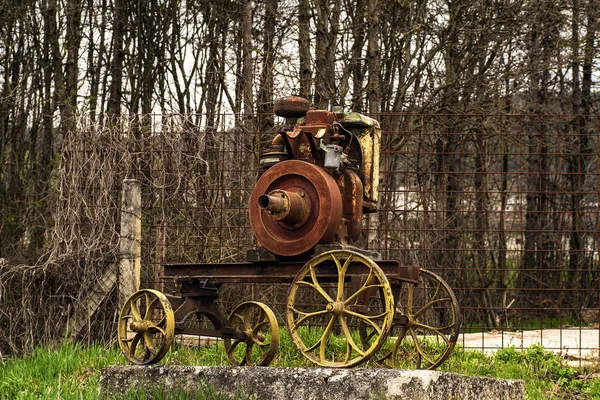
409	299
234	345
259	326
158	329
431	328
313	347
396	347
150	343
359	291
135	312
338	265
162	322
247	317
341	276
369	278
429	305
367	318
305	317
325	336
240	319
146	303
437	290
317	285
349	339
126	340
133	346
150	308
418	347
348	352
248	355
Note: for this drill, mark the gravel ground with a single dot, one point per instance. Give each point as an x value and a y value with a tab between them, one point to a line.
578	345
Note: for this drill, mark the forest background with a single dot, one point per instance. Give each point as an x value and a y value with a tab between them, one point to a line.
487	105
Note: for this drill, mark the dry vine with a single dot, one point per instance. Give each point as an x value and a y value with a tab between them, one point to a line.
182	171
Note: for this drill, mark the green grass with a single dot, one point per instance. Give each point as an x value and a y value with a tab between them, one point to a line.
546	376
73	371
69	372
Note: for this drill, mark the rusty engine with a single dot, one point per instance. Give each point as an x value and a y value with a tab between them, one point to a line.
320	175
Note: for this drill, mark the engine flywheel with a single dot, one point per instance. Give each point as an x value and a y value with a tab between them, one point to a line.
295	205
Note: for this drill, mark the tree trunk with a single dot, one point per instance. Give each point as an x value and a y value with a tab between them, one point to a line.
116	69
373	59
327	25
304	48
265	103
73	41
247	74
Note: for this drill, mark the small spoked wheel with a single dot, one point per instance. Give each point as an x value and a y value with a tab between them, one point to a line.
146	327
427	324
324	310
259	325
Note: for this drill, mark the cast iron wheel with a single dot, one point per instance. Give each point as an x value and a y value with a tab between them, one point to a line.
427	324
323	310
257	321
146	327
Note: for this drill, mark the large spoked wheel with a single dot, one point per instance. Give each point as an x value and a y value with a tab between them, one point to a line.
427	324
324	310
146	327
259	325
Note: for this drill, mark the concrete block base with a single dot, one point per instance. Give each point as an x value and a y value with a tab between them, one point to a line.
271	383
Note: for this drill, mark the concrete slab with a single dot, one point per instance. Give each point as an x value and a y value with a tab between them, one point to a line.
269	383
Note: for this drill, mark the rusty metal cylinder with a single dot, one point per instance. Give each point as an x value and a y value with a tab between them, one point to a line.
286	206
272	204
294	206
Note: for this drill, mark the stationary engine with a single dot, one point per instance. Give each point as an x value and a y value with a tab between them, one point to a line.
320	175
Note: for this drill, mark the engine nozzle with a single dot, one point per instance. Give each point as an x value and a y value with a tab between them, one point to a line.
286	206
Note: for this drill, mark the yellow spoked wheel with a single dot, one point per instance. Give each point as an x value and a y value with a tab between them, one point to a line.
146	327
257	321
427	324
323	310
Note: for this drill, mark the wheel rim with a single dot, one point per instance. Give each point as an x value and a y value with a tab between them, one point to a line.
375	302
257	321
146	327
428	327
323	312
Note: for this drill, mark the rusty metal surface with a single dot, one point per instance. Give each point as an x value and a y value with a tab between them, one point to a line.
276	272
368	133
288	207
453	198
345	153
291	107
322	197
352	197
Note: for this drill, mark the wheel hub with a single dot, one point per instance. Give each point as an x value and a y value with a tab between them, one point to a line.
140	326
336	308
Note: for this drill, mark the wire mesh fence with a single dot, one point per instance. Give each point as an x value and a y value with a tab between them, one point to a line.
502	207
